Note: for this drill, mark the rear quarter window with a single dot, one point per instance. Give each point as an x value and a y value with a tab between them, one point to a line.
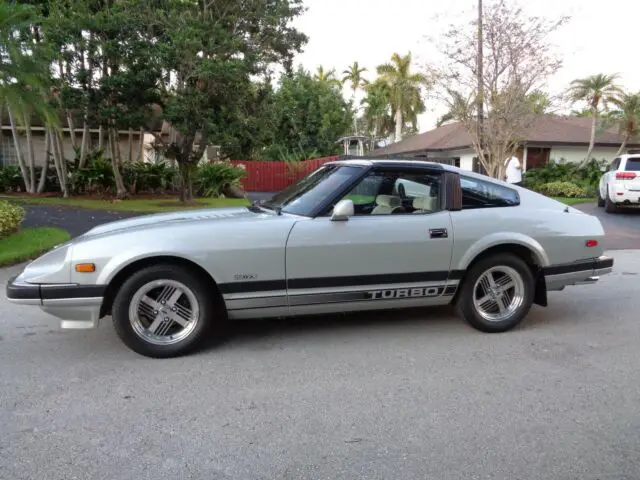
632	165
481	194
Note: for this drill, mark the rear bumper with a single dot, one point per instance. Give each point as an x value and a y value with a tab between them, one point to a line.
78	306
577	273
625	196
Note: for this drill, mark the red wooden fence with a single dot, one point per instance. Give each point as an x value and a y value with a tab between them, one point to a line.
267	176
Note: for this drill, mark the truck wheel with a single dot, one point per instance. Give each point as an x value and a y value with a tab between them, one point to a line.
497	293
163	311
600	200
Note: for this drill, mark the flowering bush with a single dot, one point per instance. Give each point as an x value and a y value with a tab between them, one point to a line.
11	216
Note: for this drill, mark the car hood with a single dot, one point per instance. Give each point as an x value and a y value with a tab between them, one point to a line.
233	214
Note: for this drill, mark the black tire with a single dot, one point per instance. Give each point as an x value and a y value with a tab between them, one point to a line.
124	324
600	200
465	306
609	206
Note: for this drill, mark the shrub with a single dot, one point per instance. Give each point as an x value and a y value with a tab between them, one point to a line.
213	178
585	174
563	189
148	177
11	216
11	179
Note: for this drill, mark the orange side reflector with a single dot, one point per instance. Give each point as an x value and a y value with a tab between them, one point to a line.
85	268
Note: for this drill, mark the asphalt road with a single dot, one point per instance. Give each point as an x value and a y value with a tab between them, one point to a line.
413	396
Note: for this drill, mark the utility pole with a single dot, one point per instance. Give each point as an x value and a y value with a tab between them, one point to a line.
480	73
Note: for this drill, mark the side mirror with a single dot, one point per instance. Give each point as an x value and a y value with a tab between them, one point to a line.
342	211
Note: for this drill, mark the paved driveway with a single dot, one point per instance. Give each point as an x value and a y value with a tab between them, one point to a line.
412	396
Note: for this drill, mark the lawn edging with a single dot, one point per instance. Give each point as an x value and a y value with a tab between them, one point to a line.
29	243
135	205
575	201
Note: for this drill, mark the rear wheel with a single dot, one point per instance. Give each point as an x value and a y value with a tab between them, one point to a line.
497	293
600	199
609	205
163	311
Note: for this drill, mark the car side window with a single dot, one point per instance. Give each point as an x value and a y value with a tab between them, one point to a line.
482	194
396	192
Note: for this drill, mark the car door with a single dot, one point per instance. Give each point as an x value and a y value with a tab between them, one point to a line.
394	252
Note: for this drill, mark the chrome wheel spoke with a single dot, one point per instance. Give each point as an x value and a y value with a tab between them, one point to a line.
498	293
163	312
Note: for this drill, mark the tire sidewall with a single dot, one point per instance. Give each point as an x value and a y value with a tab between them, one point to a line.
465	304
122	322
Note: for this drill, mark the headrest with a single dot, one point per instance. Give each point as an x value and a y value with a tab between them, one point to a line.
390	201
424	203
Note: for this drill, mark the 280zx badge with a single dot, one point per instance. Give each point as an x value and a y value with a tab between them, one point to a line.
414	292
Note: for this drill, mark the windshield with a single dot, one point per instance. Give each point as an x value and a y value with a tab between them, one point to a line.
304	196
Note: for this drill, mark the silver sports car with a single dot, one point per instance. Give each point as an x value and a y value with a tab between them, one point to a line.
344	238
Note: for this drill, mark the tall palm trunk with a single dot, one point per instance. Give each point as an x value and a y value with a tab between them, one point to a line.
130	145
18	149
623	145
84	147
31	162
45	164
398	120
592	141
59	161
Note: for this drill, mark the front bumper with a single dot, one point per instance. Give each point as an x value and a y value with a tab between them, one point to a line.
78	306
577	273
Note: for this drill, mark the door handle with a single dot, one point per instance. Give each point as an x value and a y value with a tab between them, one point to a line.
438	233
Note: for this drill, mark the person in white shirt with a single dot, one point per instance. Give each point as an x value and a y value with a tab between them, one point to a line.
514	171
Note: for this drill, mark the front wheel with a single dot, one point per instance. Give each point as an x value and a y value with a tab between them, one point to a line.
600	200
497	293
163	311
609	205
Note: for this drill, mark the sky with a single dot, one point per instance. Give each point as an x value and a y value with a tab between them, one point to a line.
600	37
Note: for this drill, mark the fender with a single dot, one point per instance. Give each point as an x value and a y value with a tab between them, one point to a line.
502	238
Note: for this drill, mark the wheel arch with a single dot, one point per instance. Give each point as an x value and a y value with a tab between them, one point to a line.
114	284
525	252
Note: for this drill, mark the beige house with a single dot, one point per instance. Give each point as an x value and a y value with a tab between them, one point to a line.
550	138
133	145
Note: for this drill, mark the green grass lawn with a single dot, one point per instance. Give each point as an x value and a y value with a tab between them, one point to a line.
574	201
29	243
143	205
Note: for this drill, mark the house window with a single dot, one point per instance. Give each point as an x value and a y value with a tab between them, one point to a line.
8	155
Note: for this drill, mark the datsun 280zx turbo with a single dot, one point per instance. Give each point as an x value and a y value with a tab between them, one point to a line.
351	236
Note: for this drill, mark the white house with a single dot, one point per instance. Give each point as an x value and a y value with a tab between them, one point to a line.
550	138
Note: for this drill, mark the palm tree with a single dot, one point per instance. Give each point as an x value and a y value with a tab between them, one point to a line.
627	117
540	102
597	91
353	75
405	90
23	80
327	77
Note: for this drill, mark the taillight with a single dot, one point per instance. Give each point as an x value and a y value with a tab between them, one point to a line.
625	175
591	243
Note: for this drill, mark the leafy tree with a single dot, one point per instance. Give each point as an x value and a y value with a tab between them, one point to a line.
405	89
598	91
24	79
378	118
309	116
209	52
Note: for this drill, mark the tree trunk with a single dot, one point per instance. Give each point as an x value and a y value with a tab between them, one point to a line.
20	158
101	137
84	147
623	145
121	191
186	183
130	145
398	119
592	141
45	164
31	162
72	130
141	147
59	162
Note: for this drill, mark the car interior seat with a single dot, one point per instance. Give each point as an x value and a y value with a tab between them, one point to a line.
387	204
425	204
